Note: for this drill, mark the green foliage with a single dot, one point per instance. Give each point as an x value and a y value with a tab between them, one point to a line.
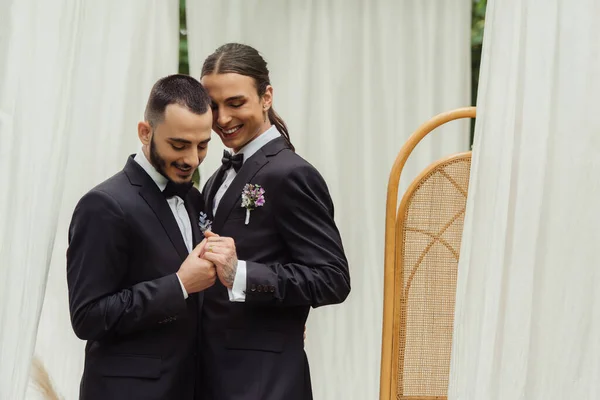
478	21
477	25
184	66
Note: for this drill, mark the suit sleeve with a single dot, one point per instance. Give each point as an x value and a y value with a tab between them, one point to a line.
317	273
97	266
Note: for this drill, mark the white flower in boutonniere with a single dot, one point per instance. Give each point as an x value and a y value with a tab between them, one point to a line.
204	223
252	196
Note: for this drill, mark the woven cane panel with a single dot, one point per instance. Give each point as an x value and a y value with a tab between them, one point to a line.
432	235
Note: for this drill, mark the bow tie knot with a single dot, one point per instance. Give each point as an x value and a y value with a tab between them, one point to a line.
229	161
177	189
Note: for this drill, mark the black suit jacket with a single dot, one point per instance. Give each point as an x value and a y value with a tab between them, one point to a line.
295	260
124	297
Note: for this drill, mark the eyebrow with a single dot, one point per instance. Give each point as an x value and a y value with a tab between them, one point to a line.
240	97
183	141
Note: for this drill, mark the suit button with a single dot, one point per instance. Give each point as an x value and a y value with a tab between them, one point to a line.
272	289
253	288
260	288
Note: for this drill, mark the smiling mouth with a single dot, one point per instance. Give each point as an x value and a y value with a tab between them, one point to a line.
184	171
229	132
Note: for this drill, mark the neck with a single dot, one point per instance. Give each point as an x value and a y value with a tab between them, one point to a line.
146	151
265	127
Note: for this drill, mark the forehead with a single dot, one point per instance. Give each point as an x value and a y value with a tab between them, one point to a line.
183	124
220	87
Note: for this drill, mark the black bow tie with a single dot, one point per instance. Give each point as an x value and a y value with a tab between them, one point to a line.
232	161
177	189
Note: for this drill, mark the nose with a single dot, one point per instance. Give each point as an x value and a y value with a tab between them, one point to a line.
191	157
223	118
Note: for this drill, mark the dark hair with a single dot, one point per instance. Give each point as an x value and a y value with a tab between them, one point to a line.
245	60
175	89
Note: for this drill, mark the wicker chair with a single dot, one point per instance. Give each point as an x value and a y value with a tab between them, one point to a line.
422	244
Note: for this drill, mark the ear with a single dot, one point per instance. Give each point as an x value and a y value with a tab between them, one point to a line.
144	132
267	98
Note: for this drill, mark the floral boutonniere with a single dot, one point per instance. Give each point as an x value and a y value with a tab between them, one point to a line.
204	223
252	196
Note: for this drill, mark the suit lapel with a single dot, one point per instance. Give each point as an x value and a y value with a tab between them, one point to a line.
210	190
159	205
233	195
157	202
193	213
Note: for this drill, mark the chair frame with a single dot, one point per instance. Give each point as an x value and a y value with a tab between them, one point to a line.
393	269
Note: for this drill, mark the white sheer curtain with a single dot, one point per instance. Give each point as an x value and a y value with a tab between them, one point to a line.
527	322
352	79
74	78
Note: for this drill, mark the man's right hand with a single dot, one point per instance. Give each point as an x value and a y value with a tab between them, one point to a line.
197	274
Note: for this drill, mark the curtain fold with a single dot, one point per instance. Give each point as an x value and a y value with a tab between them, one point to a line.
75	77
526	326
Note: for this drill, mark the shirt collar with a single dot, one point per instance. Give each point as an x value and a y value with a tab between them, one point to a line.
251	148
158	178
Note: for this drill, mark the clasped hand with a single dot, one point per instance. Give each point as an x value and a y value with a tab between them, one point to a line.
222	253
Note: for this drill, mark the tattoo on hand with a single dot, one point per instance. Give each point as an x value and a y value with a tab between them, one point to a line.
229	274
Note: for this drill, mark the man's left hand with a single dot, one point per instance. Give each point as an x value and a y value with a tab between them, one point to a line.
221	252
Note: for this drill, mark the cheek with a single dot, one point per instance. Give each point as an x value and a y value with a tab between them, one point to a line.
168	155
202	154
171	156
215	118
251	116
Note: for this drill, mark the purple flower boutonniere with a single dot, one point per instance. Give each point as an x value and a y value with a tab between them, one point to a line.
252	196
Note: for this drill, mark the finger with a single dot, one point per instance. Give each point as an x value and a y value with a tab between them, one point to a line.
198	249
219	249
217	239
214	248
212	257
225	239
207	263
209	234
203	248
221	243
221	262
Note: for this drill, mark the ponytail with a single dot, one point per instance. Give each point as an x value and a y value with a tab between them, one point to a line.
276	120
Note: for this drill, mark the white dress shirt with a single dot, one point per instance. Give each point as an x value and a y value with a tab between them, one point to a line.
175	203
238	292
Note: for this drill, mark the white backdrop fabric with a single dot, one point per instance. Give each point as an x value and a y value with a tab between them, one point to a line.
74	79
527	323
352	79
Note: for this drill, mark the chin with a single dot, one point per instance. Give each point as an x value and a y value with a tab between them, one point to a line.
236	143
181	179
